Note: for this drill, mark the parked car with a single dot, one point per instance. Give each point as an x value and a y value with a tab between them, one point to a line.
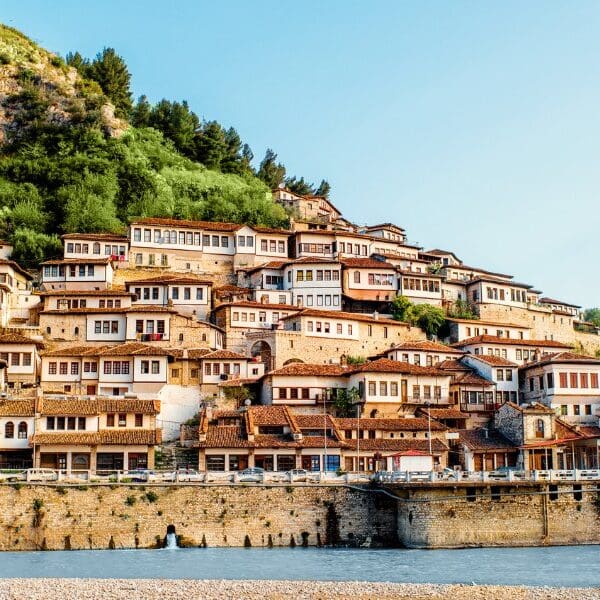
301	475
252	474
185	475
142	475
35	475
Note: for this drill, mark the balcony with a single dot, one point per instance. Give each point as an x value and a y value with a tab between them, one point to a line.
150	337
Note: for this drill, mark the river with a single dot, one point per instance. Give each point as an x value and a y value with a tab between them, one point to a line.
568	566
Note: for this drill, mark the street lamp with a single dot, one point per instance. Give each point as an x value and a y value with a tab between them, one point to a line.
428	405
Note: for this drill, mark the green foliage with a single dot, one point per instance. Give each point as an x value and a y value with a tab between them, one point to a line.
239	393
130	500
428	317
111	73
345	402
356	360
151	496
271	171
30	248
592	315
461	309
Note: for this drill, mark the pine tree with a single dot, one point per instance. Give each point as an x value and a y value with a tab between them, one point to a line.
178	123
111	73
141	113
323	189
211	145
74	59
299	186
270	171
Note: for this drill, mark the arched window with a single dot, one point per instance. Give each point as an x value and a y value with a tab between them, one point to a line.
9	430
96	248
76	331
173	237
22	431
539	428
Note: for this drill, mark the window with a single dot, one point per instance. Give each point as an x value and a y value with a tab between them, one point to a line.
549	380
372	388
563	380
63	368
110	420
145	367
215	241
383	388
52	368
509	375
74	368
356	276
576	410
199	293
122	420
155	367
175	293
500	374
393	388
594	380
583	380
9	430
224	241
139	420
573	380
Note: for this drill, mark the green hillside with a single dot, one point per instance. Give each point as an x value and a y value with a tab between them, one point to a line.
68	164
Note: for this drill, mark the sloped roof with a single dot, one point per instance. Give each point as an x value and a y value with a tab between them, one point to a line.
482	440
494	361
504	341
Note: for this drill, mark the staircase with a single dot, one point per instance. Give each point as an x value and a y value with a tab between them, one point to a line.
171	456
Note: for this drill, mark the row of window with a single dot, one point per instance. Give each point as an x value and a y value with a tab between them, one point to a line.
516	295
578	409
419	392
225	368
475	331
269	462
153	293
74	271
493	352
16	359
430	359
164	259
66	423
150	326
421	285
250	317
326	327
109	250
319	275
575	380
106	326
321	300
469	397
504	374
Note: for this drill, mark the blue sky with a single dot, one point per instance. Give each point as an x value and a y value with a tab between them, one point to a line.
476	126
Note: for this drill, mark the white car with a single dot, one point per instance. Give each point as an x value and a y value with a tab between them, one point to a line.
185	475
35	475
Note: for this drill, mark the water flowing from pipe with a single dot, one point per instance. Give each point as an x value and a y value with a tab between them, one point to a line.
171	541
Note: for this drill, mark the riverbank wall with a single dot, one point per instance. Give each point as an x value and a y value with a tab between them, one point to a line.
523	514
54	517
134	516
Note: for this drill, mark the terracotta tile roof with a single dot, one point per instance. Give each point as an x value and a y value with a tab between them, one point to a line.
169	279
133	349
563	357
224	436
484	277
274	230
472	379
101	237
268	415
130	437
87	438
400	424
309	369
120	437
385	365
77	293
345	316
129	405
452	365
397	445
84	350
16	267
494	361
186	224
366	263
225	290
17	338
553	301
224	355
67	407
492	339
77	261
481	440
588	431
318	441
315	421
140	308
17	408
444	413
384	226
425	346
231	383
535	408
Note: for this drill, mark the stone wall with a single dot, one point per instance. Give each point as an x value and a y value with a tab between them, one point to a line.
486	515
57	518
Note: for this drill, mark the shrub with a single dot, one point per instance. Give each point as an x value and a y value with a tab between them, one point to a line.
130	500
151	496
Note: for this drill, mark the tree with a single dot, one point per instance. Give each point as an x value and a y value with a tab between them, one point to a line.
75	60
299	186
461	309
402	309
211	145
270	171
110	71
428	317
592	315
30	248
176	122
345	402
141	113
323	189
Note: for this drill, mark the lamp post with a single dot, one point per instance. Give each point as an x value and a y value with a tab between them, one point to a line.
358	437
428	405
325	434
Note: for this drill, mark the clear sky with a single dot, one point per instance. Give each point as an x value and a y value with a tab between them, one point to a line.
474	125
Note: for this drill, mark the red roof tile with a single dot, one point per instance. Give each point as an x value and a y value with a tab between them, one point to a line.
504	341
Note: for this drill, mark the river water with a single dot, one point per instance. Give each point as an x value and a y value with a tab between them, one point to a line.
569	566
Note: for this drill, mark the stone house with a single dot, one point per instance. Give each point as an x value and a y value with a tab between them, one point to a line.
17	418
77	274
368	285
20	354
103	434
97	245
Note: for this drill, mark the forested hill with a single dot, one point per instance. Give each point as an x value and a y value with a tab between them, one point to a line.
77	154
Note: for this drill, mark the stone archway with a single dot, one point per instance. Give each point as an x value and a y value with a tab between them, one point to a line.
262	349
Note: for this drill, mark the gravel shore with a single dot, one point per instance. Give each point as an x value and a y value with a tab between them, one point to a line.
176	589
